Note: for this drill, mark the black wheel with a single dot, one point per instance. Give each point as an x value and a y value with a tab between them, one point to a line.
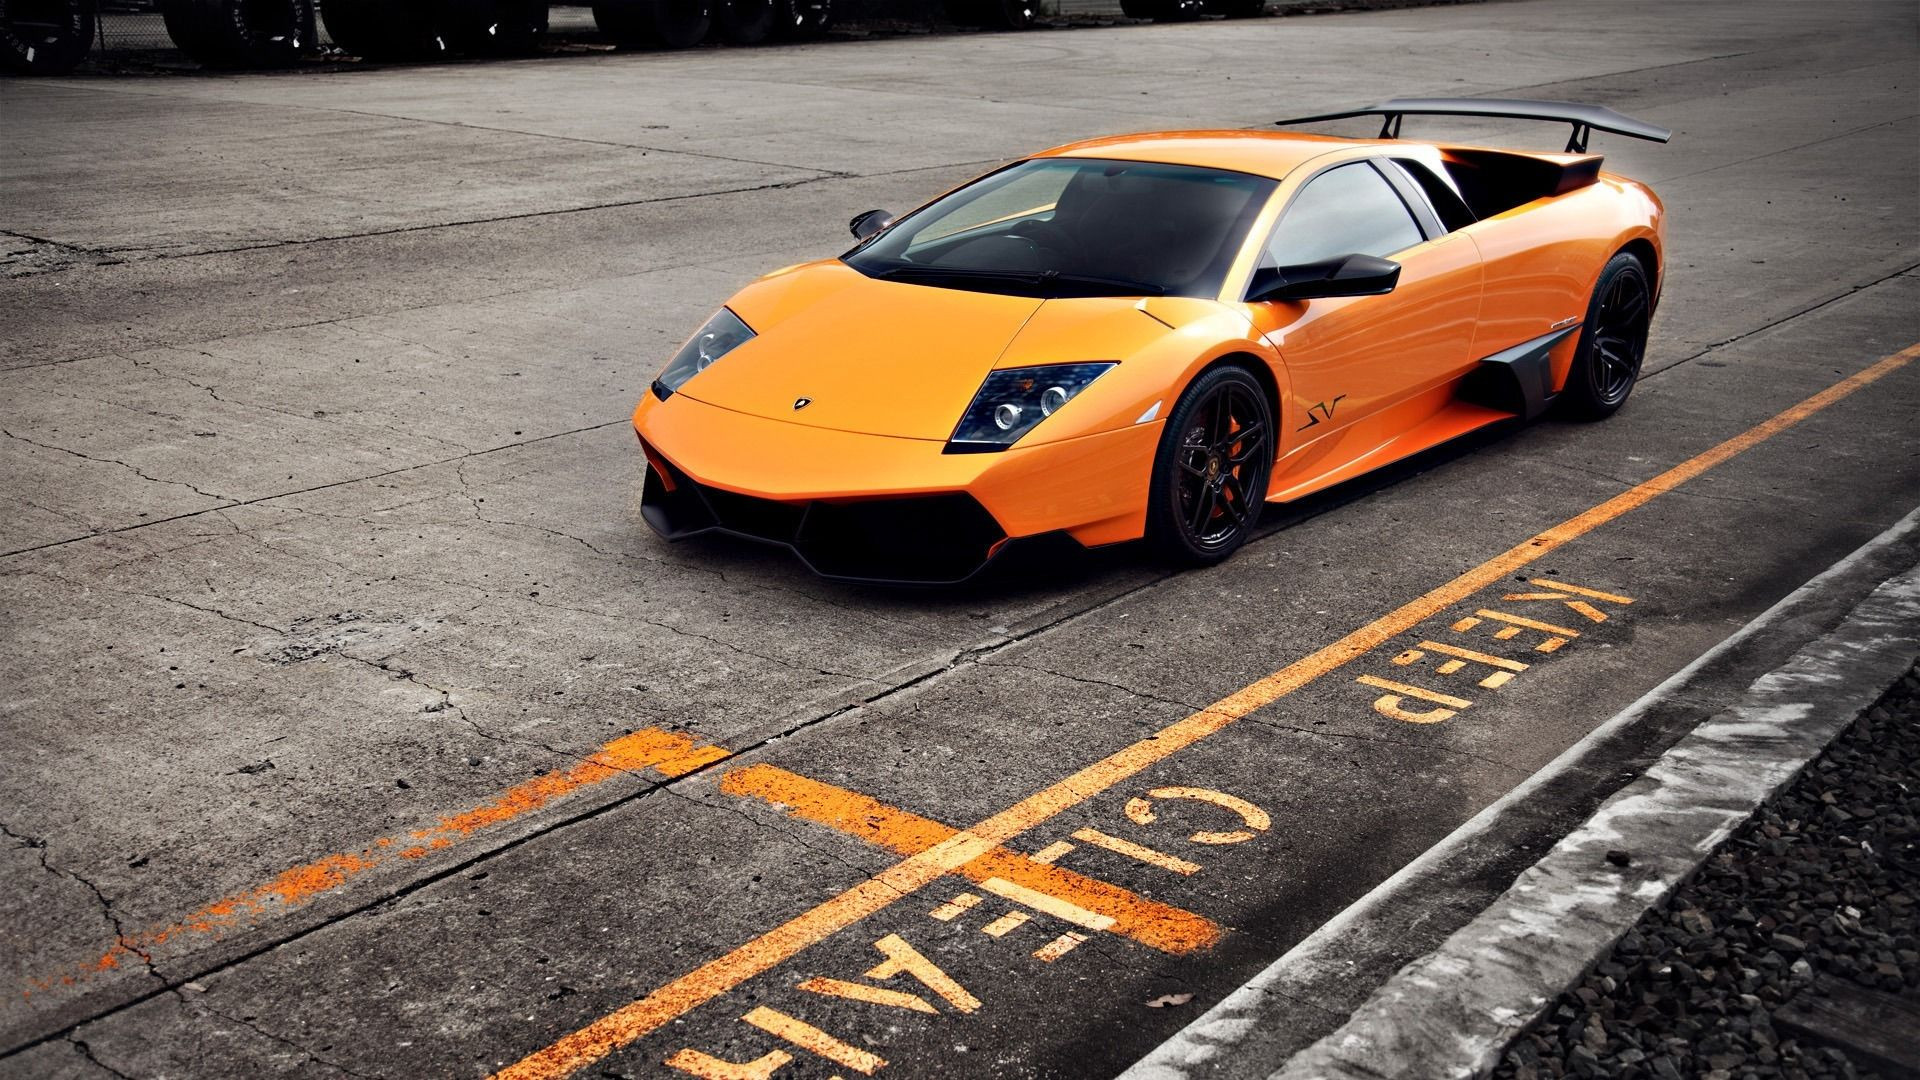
1210	474
496	27
240	33
1238	9
746	22
387	29
44	37
669	24
1613	343
804	20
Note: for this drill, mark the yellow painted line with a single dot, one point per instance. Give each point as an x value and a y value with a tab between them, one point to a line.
904	959
719	976
873	995
1005	924
953	908
1048	903
806	1036
1060	946
1595	594
1149	922
1413	691
1474	655
1137	851
1531	624
1052	852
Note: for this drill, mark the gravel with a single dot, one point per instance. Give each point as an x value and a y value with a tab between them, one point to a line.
1821	881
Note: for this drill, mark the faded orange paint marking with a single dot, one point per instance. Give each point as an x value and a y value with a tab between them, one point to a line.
1162	926
671	754
668	753
716	977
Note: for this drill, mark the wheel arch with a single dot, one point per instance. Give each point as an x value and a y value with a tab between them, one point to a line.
1642	248
1262	371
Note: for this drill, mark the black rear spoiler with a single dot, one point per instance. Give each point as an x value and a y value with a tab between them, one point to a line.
1584	118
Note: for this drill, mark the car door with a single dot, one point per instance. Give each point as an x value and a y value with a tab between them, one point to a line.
1350	358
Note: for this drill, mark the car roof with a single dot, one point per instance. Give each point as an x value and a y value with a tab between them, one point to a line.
1262	153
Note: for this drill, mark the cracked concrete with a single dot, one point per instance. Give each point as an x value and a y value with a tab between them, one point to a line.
351	393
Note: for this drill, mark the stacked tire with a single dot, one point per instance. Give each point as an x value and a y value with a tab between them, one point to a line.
1189	10
681	24
804	20
429	29
994	14
241	33
44	37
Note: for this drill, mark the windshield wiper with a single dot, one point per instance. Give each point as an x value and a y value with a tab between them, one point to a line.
1033	278
1124	286
965	273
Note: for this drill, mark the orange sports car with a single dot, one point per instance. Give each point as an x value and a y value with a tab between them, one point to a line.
1152	336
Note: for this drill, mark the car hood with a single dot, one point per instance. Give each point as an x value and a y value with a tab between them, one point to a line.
890	358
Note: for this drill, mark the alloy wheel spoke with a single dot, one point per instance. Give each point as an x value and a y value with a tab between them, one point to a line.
1203	506
1237	505
1247	433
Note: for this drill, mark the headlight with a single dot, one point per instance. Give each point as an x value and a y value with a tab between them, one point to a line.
722	334
1013	400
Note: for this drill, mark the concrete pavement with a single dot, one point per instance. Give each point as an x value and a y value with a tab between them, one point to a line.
321	532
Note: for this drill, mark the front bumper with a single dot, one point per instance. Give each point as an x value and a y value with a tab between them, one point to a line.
877	508
924	539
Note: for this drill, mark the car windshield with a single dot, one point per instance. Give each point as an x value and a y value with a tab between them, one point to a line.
1055	227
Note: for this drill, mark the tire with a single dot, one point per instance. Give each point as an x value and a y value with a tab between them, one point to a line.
44	37
496	27
667	24
994	14
1613	342
1210	477
240	33
386	29
1238	9
1163	10
1011	14
746	22
804	20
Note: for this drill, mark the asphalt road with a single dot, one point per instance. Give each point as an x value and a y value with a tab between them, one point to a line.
355	724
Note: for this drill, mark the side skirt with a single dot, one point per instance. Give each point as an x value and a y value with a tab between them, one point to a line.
1515	382
1518	380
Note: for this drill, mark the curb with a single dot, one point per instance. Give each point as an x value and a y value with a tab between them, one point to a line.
1453	1011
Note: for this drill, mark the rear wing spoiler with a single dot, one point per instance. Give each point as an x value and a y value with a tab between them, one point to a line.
1584	118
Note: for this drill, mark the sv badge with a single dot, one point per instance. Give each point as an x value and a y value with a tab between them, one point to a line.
1321	410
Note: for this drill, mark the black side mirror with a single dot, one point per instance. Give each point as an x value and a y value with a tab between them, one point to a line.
1342	275
869	223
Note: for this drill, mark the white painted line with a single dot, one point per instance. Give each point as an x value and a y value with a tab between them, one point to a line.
1222	1028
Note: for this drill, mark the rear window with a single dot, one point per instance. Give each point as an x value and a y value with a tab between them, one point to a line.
1446	202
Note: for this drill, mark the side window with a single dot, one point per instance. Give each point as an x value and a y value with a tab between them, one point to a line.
1446	202
1347	210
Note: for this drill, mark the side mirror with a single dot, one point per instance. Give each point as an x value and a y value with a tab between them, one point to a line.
869	223
1342	275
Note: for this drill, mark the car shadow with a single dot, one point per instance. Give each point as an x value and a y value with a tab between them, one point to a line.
1056	563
